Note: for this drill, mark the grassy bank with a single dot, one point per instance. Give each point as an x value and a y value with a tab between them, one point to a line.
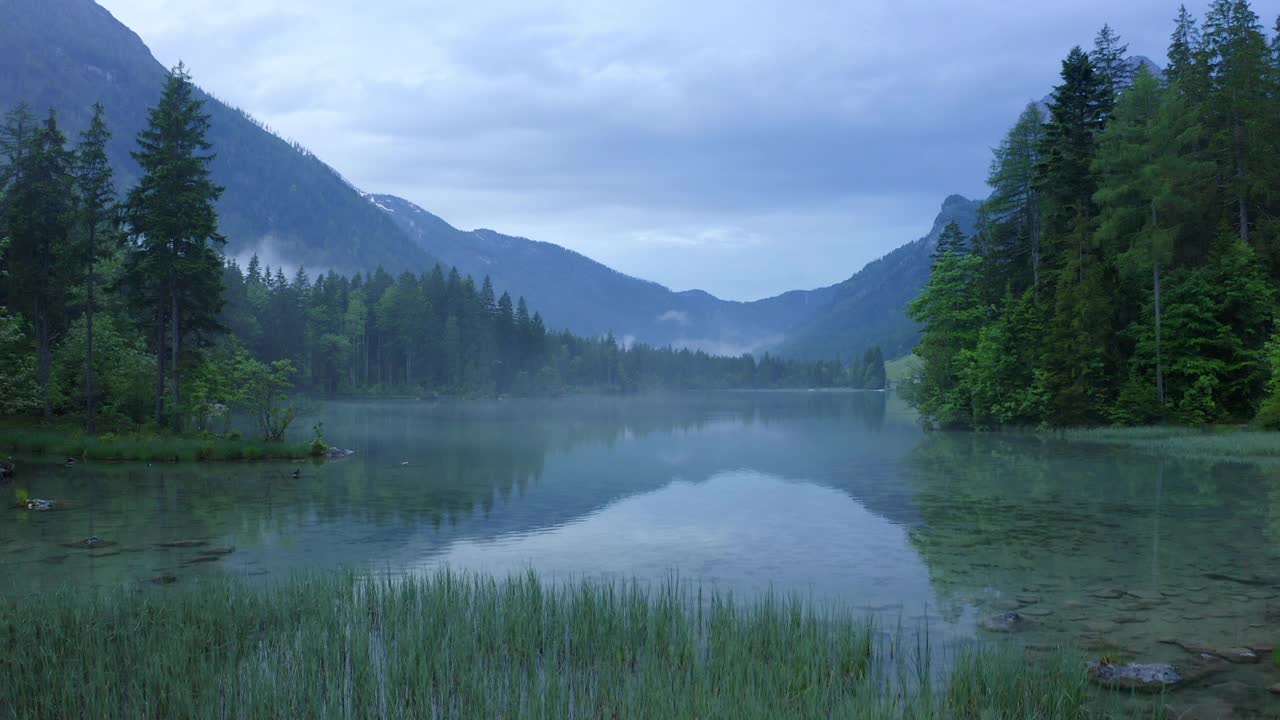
73	442
1217	442
463	646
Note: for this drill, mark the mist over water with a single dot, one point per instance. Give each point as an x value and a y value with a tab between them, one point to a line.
837	496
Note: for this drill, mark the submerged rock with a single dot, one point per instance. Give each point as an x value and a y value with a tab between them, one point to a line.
1109	594
182	543
1006	622
201	559
164	579
1275	689
220	550
337	453
1237	655
1140	677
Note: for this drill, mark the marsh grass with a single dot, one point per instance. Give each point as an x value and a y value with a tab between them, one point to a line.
143	446
1224	443
461	646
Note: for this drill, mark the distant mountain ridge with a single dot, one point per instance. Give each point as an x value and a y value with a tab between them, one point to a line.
577	293
870	307
587	297
280	199
285	204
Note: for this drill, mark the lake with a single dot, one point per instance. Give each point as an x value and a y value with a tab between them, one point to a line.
837	496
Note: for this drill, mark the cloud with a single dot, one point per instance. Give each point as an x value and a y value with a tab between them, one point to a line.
743	147
679	317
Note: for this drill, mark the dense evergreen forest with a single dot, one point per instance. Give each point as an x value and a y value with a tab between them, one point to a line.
124	310
1125	267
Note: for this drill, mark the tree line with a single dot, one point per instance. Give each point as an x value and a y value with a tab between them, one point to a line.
438	332
125	310
1125	266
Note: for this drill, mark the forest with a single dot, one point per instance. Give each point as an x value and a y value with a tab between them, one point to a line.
1125	267
123	311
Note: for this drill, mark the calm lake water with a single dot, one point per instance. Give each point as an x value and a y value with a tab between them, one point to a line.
836	496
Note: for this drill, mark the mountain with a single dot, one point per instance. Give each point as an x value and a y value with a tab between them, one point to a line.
285	204
582	295
577	293
280	200
870	307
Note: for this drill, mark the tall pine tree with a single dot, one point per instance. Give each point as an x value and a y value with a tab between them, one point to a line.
175	270
97	227
39	207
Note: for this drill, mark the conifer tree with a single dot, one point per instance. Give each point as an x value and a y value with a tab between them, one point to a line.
1149	171
1184	49
97	226
175	271
1237	59
1011	216
1066	179
1111	57
39	207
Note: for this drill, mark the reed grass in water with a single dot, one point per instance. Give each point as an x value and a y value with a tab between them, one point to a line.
461	646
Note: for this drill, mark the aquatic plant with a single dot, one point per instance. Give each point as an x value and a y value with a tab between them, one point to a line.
450	645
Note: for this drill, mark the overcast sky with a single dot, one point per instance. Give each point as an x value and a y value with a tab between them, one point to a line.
738	147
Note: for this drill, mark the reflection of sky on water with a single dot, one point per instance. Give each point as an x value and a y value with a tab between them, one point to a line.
740	531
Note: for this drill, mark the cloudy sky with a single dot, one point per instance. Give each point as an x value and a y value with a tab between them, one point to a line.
740	147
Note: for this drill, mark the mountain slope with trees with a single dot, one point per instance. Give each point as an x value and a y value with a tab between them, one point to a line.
279	199
870	307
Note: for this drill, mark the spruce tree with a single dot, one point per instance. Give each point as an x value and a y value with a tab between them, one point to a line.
39	215
1149	173
1111	57
174	270
1237	59
1011	215
1077	114
1184	52
97	227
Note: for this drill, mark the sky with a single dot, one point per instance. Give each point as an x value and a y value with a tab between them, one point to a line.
738	147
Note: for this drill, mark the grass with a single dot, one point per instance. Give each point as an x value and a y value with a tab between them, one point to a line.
1219	442
73	442
463	646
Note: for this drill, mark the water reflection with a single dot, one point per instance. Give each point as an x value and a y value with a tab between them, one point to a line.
837	495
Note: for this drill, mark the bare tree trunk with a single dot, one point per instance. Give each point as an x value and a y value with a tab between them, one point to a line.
42	353
1155	281
160	367
175	346
88	343
1155	271
1241	202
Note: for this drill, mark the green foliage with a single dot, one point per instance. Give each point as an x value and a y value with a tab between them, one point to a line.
1151	290
61	441
123	367
1269	411
951	313
266	389
19	394
174	269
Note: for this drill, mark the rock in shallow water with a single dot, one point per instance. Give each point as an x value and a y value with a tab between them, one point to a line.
1006	622
337	453
1142	677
